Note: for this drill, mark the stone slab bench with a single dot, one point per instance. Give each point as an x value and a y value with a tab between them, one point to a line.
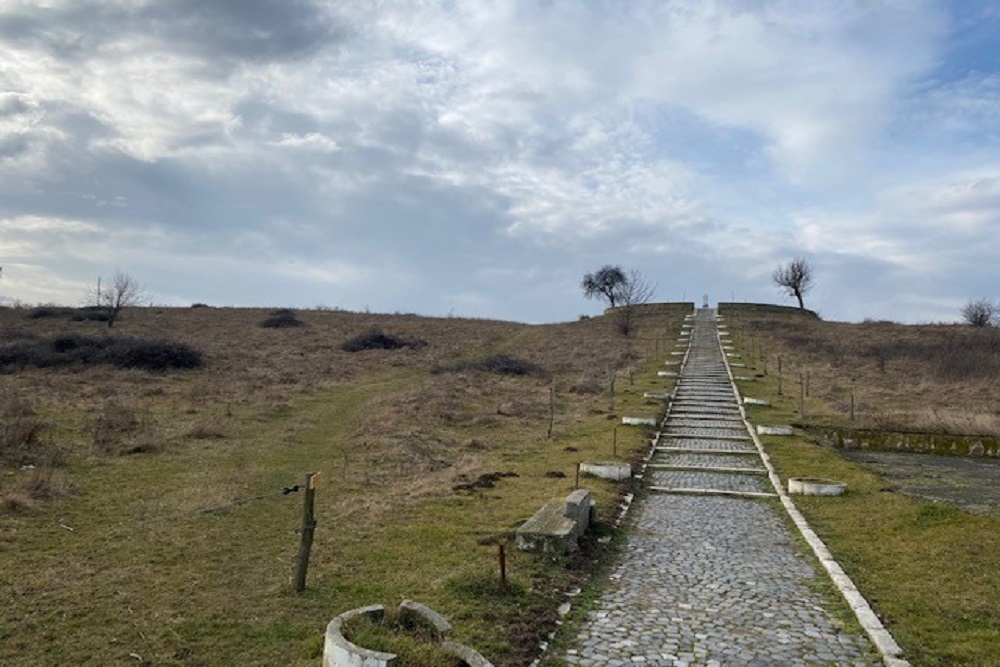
558	525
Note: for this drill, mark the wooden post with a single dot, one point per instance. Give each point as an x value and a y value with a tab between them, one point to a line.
611	390
802	396
614	441
552	410
852	405
502	555
306	532
780	393
576	484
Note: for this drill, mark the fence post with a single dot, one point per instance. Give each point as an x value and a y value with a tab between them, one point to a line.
306	532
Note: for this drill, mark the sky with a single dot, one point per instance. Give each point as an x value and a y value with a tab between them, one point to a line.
451	157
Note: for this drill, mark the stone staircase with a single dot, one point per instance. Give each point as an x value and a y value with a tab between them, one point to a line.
704	446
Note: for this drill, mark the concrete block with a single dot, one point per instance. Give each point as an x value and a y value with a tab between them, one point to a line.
774	430
815	486
657	395
614	470
558	525
667	374
639	421
737	364
755	401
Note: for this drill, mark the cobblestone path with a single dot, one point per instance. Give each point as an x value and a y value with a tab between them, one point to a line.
710	574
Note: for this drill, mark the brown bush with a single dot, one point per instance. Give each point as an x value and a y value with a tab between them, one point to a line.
21	432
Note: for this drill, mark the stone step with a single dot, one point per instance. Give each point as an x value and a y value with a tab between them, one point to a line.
741	471
712	492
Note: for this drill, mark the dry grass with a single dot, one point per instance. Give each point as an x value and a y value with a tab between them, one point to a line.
180	554
949	371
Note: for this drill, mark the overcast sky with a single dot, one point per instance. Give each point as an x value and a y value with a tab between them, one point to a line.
477	158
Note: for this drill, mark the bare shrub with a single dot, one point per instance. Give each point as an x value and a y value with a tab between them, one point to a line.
75	349
498	364
281	319
980	312
375	339
28	492
21	432
209	428
121	428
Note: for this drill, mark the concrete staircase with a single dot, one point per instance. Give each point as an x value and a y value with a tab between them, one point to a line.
704	447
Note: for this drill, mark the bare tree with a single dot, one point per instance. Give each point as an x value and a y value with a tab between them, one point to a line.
605	283
795	278
980	312
123	291
634	292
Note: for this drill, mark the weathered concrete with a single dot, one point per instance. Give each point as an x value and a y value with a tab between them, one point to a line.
764	429
639	421
813	486
339	652
613	470
558	525
755	401
414	613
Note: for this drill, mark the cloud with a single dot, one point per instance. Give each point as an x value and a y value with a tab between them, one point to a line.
481	156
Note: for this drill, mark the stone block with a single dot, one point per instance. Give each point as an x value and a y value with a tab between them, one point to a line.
639	421
755	401
774	430
668	374
558	525
614	470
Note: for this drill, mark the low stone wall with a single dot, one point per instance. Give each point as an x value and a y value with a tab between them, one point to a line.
924	443
558	525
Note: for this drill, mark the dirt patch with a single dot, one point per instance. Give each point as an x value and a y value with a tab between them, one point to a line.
484	481
970	483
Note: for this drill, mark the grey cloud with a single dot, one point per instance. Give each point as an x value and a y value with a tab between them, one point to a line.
253	30
256	30
15	104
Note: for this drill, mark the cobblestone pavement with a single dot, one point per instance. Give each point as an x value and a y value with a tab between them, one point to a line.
706	580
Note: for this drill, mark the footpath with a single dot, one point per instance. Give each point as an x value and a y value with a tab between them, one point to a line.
710	574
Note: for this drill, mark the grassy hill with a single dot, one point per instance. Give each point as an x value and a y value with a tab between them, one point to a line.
143	518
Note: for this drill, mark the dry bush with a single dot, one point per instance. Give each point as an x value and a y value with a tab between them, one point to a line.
21	434
932	378
376	339
281	319
207	428
498	364
121	428
33	487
